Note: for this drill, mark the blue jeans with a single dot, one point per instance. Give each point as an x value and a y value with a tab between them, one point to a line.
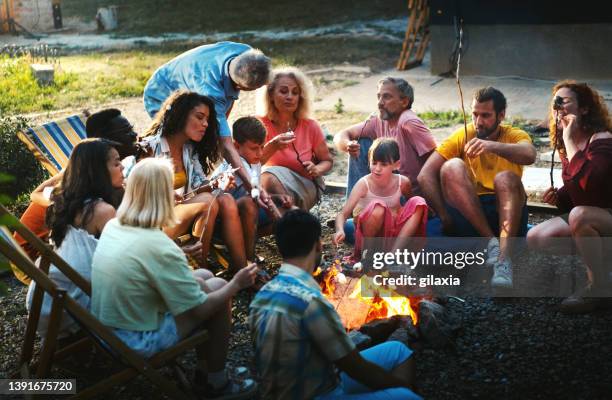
358	167
387	355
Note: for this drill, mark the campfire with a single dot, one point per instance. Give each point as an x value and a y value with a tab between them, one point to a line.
345	294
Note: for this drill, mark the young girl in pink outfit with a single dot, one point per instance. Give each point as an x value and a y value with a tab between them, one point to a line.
375	204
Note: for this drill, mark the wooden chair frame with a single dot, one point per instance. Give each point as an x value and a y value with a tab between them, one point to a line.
134	363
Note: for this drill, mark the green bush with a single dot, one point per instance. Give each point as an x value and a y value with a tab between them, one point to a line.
16	160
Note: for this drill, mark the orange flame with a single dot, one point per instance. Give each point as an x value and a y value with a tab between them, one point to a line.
384	302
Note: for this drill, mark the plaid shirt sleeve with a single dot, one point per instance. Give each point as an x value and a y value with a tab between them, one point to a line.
326	331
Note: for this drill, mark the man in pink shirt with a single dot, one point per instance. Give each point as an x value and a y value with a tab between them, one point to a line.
395	119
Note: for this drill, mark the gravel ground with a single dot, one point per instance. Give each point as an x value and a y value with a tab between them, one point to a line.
505	348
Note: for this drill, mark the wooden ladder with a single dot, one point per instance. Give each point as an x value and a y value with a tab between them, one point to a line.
417	35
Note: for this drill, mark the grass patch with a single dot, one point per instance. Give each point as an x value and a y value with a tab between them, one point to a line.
161	16
442	119
79	81
333	122
19	91
86	80
316	52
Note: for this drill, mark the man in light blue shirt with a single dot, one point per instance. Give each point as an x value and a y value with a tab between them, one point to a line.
219	71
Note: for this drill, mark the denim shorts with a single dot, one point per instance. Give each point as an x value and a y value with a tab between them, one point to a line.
147	343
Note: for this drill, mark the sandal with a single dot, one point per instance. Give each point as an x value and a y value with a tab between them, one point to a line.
239	386
233	390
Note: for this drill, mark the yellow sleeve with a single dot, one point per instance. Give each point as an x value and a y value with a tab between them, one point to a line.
451	147
516	135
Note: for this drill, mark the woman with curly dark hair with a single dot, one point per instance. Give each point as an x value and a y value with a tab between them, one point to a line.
82	204
185	130
580	131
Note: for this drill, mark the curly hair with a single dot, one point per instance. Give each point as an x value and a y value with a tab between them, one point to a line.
86	177
596	119
265	100
172	119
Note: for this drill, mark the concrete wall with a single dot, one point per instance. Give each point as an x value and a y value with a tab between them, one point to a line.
579	51
34	15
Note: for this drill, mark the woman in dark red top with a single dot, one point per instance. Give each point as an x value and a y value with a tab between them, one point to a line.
586	195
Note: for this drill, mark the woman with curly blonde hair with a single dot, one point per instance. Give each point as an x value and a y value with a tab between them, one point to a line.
295	155
580	130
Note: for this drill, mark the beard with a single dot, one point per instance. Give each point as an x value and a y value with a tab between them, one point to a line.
385	115
483	133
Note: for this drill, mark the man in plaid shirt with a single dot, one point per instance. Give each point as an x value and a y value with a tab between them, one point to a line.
300	343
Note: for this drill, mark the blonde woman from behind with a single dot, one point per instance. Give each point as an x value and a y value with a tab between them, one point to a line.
144	289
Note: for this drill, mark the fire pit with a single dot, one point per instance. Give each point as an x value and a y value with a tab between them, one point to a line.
345	293
385	314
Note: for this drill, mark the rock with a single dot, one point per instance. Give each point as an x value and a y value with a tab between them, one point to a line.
380	329
436	325
405	322
43	73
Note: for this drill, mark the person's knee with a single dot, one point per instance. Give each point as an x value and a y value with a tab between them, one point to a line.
535	237
215	284
377	215
415	201
508	180
201	282
265	177
452	170
579	218
227	203
268	180
212	207
247	207
203	274
399	351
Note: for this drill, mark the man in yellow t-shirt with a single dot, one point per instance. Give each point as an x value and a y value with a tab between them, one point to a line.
474	183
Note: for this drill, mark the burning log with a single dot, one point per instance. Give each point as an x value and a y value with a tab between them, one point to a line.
380	329
358	301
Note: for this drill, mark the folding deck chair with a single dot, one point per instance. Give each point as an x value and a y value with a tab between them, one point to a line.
132	363
52	143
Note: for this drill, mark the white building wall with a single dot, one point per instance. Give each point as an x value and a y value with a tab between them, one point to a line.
33	15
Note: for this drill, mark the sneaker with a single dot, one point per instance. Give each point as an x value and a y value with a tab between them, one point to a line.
581	302
502	274
492	251
233	390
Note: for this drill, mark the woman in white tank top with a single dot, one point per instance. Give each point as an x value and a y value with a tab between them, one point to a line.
375	203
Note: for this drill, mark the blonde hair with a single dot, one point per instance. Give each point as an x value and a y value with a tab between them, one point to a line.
265	98
148	201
